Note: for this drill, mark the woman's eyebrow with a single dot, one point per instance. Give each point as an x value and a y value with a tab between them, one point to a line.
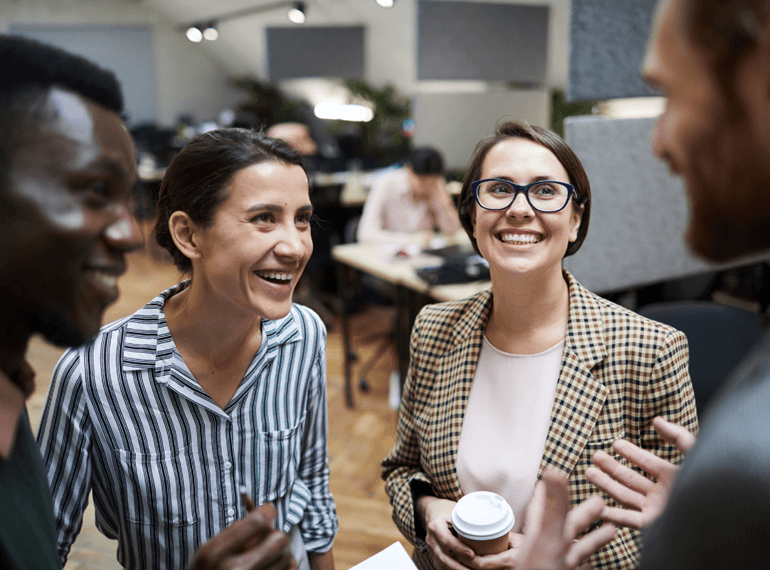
265	207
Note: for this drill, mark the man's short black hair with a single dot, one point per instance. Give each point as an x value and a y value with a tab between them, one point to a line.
425	160
28	70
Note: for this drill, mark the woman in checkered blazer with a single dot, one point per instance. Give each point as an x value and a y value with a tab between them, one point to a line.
536	372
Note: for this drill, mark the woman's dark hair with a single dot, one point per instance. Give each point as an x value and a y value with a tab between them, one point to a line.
197	179
545	138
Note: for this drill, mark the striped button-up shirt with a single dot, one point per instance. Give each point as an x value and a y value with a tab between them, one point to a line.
125	419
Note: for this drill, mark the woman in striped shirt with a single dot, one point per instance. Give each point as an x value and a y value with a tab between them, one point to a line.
215	388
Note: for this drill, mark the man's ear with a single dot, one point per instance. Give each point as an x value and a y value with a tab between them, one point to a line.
185	234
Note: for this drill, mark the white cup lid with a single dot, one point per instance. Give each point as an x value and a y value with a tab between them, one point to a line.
482	516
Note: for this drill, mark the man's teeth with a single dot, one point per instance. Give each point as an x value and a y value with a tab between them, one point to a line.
276	276
103	278
520	238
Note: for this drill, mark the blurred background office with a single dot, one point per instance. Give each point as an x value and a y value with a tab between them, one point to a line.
367	80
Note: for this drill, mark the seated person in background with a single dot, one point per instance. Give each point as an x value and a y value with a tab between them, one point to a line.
216	385
296	135
538	372
408	200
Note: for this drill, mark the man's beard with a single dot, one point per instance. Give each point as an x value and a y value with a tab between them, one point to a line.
714	236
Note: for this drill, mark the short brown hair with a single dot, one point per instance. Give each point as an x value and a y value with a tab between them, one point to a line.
550	140
726	30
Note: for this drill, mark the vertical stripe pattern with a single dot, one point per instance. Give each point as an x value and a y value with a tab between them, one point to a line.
125	419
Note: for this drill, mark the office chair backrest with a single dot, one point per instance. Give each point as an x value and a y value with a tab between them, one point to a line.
719	337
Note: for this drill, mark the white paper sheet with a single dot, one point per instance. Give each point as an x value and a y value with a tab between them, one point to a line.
394	557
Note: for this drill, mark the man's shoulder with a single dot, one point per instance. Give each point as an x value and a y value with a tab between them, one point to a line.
720	503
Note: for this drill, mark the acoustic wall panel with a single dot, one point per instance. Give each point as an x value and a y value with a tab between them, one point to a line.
315	52
482	41
639	211
125	50
455	122
607	44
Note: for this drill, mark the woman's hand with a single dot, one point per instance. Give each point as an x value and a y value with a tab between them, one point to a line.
446	549
551	529
643	500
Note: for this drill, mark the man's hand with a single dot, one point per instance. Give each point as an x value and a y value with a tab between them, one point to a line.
551	528
643	500
248	544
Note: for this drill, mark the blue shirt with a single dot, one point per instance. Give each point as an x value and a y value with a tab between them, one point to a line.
126	419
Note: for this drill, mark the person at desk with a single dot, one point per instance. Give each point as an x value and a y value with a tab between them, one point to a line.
535	373
408	200
217	387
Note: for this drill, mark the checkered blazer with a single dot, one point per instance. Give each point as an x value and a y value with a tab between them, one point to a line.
619	370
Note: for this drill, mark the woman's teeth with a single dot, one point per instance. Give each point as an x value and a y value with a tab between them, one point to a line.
275	276
520	238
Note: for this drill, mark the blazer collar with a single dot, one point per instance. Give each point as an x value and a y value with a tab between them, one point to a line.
580	396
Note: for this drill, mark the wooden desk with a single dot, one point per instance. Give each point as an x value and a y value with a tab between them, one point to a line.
380	261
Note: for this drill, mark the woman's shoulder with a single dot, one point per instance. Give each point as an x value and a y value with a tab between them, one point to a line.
451	314
616	318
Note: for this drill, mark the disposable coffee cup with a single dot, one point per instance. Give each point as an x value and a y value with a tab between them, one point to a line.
482	520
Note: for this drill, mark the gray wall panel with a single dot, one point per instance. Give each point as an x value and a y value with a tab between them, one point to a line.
639	211
323	51
125	50
482	41
607	43
455	122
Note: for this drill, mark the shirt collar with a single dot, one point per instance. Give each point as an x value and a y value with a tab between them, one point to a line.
148	343
12	406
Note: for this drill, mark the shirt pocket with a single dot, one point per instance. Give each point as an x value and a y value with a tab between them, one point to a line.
158	488
280	454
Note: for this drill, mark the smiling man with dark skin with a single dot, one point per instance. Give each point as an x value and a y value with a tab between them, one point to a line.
67	173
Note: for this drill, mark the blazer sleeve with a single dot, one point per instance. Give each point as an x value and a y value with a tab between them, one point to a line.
670	396
401	469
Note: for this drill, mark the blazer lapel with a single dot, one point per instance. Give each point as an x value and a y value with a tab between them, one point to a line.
457	368
579	395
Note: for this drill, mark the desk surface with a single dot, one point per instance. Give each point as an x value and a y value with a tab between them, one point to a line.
380	261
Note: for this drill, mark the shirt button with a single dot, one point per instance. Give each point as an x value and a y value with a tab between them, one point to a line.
230	512
228	465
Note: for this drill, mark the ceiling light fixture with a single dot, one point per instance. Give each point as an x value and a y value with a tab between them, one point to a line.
194	33
297	13
210	31
386	3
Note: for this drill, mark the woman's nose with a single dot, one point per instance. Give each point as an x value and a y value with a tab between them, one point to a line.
520	206
292	243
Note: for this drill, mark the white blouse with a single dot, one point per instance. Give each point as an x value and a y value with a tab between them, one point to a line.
506	423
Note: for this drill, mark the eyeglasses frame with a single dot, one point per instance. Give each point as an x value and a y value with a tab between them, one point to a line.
518	188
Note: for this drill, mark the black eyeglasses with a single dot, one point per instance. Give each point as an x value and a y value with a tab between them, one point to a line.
544	195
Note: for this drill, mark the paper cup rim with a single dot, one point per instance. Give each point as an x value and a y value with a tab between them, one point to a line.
502	527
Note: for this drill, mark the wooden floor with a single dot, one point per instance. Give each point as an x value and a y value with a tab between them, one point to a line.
358	438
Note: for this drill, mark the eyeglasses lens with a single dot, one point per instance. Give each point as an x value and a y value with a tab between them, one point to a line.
544	197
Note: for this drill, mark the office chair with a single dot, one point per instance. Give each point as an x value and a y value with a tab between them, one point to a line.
719	337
